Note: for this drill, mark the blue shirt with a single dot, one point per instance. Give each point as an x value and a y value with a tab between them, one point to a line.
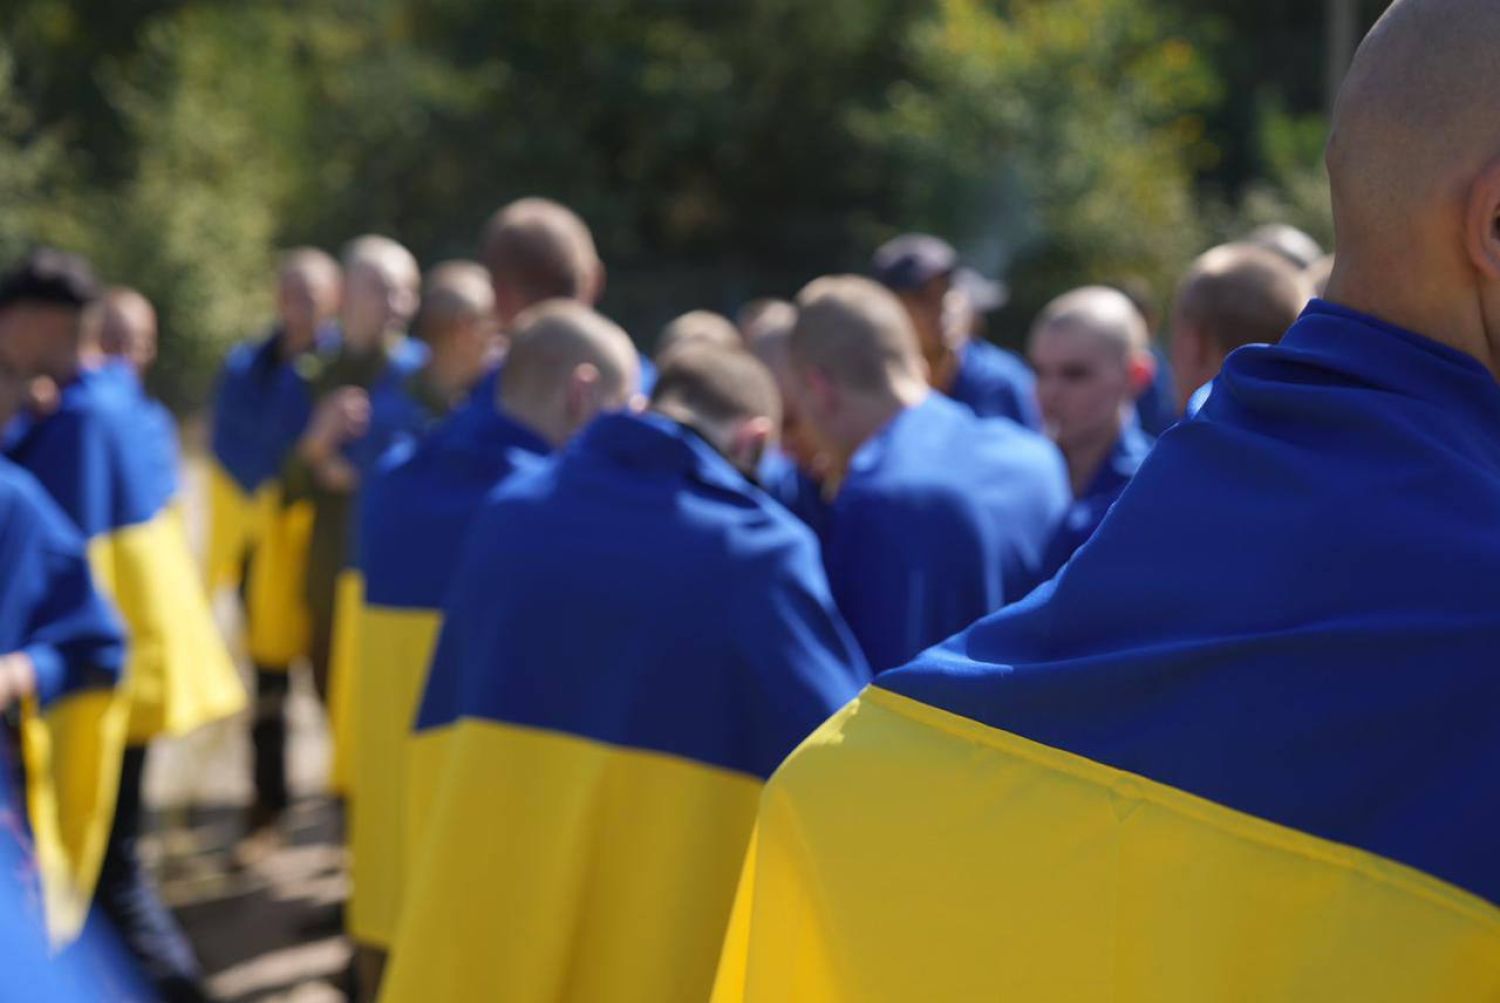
802	496
261	405
1090	507
995	383
639	591
49	607
1291	611
418	506
1156	408
941	518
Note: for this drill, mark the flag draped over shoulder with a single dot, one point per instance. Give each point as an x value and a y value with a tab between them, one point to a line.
940	517
92	457
416	513
635	638
1244	746
73	727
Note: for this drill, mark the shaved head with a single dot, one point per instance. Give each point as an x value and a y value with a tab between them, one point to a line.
454	293
1099	312
762	315
308	287
566	363
1412	161
382	282
856	332
1241	294
127	328
537	249
714	385
697	326
310	263
1292	244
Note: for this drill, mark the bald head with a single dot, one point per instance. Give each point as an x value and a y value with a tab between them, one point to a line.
127	328
382	282
1292	244
1414	163
766	314
566	364
855	332
697	327
455	294
308	288
724	393
1234	295
1102	313
537	249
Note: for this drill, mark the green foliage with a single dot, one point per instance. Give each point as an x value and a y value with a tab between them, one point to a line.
720	150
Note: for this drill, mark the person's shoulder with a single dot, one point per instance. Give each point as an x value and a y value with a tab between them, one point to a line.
27	508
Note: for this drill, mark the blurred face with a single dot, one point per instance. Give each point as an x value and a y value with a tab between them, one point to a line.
12	391
925	307
303	302
374	302
36	336
1082	384
797	440
130	333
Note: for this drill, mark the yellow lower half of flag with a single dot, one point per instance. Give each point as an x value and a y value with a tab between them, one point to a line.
72	753
234	519
396	647
554	868
178	674
277	623
905	853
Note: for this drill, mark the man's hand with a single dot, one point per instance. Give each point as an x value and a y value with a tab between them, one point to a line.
343	415
17	678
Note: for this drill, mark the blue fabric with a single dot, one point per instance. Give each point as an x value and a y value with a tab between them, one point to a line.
1156	408
1200	397
648	376
783	480
640	591
1292	608
995	383
941	519
88	455
49	607
1090	507
418	507
261	406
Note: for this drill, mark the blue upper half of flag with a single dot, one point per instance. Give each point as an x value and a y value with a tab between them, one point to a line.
1292	608
640	591
418	507
49	607
95	453
995	383
261	406
941	519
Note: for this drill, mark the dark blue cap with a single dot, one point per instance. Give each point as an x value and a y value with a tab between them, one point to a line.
912	260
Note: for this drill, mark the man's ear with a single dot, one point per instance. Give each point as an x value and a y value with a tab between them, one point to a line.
584	393
751	440
1482	222
1142	372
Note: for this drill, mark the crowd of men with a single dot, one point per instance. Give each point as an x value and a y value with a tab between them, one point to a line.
831	652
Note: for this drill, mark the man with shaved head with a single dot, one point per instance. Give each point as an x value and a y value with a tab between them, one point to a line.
698	327
1292	245
1234	295
940	517
635	638
1092	355
125	329
566	364
1244	745
796	470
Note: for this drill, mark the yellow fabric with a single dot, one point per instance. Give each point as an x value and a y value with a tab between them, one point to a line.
396	647
277	621
72	755
905	853
424	757
343	679
234	519
556	868
178	674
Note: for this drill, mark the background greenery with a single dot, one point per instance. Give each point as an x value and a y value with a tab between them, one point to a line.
721	149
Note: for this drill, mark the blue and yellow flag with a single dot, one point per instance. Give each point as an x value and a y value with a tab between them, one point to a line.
1244	746
261	404
635	638
73	729
95	459
939	520
416	515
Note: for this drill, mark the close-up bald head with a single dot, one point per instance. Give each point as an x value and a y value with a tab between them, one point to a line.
127	328
855	332
1414	165
1092	355
697	327
536	250
454	293
1234	295
566	364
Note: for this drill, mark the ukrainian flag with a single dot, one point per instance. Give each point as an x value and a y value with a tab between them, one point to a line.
1243	747
634	639
73	728
95	458
416	514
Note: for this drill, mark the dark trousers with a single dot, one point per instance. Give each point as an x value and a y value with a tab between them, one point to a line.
268	738
127	899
